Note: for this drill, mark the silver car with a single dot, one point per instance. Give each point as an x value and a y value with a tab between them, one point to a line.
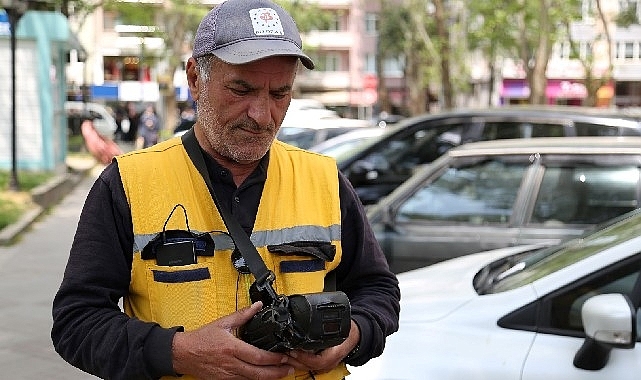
501	193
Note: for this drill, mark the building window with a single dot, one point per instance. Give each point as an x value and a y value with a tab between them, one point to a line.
588	10
393	67
334	22
371	23
626	51
585	50
629	50
562	50
370	63
327	61
332	62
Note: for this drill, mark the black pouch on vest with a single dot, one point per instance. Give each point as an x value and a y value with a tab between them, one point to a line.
178	247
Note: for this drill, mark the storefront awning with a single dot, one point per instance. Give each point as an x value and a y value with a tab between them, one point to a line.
565	89
515	89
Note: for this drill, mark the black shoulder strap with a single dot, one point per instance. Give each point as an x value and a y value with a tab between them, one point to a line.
243	244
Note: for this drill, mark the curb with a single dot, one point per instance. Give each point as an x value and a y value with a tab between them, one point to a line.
44	197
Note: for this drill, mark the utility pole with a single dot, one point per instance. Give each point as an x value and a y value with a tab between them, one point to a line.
15	9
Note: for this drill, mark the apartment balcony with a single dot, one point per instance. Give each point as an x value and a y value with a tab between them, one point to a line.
629	71
332	40
323	81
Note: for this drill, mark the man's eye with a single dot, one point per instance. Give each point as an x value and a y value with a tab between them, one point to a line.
279	96
239	91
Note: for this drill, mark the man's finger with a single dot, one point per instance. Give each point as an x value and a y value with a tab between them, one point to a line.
240	317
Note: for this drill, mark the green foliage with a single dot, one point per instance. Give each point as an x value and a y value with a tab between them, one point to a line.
627	17
133	13
9	212
394	29
492	29
308	16
27	180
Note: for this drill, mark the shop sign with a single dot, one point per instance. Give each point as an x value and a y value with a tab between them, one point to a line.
5	26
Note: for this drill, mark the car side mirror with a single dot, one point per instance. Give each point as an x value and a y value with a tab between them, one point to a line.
609	321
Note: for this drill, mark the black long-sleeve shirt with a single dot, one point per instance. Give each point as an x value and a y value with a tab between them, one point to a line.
91	332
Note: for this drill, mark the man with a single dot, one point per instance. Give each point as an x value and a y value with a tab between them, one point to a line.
183	316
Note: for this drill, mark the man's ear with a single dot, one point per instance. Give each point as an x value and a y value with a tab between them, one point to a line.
193	78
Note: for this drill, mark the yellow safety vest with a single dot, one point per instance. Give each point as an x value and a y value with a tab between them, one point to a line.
300	203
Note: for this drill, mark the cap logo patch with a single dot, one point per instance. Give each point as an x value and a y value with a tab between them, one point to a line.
266	22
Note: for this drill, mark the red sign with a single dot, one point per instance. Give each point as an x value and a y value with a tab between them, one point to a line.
370	82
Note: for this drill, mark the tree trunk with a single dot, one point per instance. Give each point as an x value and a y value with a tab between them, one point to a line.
538	83
444	38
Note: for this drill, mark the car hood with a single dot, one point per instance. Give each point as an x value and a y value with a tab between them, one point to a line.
431	293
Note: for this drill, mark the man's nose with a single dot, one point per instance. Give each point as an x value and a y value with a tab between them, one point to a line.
260	110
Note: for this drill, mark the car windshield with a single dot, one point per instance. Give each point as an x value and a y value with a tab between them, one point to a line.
522	269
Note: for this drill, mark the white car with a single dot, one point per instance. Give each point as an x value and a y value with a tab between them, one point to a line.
564	312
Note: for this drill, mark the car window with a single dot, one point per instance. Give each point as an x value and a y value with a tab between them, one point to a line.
565	307
588	129
396	159
495	130
586	195
300	137
480	194
333	132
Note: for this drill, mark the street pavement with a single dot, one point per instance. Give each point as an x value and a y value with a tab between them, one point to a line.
30	274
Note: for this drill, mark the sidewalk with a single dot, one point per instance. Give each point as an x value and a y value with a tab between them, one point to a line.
30	273
49	194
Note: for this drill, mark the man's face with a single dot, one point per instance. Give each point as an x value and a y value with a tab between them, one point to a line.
241	107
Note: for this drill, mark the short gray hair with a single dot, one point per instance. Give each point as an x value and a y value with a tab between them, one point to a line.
205	65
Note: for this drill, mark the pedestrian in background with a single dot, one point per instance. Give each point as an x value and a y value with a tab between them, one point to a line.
148	128
129	123
182	315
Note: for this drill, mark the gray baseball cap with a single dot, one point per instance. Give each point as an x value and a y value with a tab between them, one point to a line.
243	31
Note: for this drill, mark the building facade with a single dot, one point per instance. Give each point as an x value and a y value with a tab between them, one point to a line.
124	63
566	75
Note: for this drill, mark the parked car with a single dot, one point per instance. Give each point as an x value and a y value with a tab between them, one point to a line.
494	194
314	131
379	167
302	111
347	142
103	121
570	311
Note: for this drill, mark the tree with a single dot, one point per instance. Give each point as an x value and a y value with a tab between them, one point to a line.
405	33
595	77
527	31
487	33
440	17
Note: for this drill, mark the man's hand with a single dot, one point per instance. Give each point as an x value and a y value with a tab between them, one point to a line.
327	359
213	352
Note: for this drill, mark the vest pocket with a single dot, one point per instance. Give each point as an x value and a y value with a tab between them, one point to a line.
302	265
181	295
